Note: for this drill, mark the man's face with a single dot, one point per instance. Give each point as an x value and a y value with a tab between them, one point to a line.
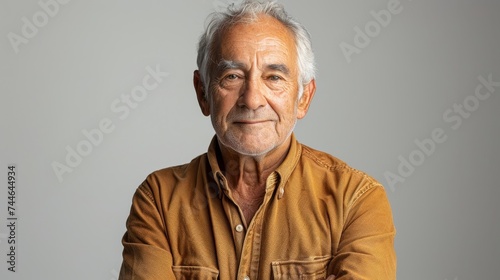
253	100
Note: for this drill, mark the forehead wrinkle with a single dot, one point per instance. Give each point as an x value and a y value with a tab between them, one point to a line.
268	51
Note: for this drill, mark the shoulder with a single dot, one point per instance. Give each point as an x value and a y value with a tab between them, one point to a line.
166	179
339	176
322	159
328	163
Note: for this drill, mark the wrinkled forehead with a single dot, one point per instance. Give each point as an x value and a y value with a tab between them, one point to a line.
263	31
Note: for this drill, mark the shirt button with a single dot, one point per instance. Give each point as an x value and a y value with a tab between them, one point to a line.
246	278
239	228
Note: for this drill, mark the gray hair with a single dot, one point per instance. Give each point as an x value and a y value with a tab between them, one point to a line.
248	11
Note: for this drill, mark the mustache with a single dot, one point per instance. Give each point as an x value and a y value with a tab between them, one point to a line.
246	115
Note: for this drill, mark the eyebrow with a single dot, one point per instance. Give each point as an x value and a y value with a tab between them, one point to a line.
224	65
279	67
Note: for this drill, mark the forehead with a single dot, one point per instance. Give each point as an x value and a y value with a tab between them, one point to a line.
264	33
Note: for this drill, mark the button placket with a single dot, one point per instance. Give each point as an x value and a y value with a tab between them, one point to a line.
252	244
233	215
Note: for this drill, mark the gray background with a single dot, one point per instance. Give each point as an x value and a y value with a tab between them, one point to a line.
367	112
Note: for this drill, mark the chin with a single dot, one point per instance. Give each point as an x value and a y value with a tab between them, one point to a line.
251	151
252	143
248	147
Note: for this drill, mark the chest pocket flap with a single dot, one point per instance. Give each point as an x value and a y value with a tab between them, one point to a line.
195	272
314	268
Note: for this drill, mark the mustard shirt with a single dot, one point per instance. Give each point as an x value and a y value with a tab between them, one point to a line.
319	217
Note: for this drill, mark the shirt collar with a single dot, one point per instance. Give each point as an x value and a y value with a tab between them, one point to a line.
277	179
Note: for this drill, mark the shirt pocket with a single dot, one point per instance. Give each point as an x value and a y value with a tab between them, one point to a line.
314	268
195	272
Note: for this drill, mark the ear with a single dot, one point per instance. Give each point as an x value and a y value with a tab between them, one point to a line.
200	93
305	100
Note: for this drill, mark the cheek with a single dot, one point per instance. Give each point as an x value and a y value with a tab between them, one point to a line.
286	108
221	106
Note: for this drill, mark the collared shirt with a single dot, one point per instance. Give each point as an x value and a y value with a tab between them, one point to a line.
318	217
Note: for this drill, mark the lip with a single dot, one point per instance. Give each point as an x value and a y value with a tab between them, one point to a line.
250	121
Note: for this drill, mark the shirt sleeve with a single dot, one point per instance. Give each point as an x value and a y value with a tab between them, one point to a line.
146	252
366	248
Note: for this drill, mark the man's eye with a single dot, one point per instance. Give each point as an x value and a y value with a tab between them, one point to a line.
231	80
232	77
274	78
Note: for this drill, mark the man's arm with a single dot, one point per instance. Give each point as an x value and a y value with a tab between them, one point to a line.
146	252
366	248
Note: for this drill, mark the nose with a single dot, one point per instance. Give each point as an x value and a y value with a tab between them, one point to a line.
252	95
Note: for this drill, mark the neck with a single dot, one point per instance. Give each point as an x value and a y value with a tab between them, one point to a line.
251	171
247	175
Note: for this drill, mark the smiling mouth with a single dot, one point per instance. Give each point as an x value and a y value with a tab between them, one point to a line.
250	122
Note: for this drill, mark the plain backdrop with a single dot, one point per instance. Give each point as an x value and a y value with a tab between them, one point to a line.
372	106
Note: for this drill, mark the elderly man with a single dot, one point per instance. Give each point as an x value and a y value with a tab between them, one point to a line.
258	204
